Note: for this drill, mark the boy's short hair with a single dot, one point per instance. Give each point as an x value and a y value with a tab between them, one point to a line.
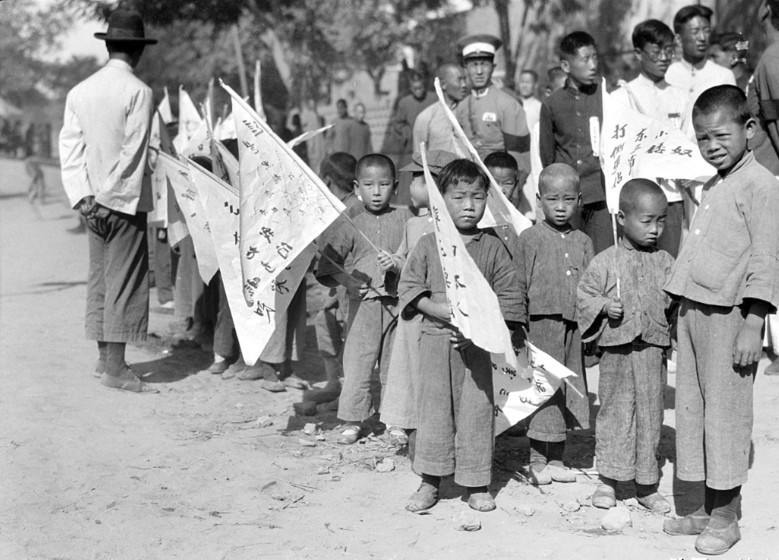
728	98
340	167
461	170
557	171
727	41
572	42
651	32
415	76
501	160
688	12
375	160
531	73
341	102
634	189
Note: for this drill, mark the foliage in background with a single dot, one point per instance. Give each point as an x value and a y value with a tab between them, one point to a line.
28	37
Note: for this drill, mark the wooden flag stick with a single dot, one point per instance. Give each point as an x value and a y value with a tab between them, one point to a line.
616	241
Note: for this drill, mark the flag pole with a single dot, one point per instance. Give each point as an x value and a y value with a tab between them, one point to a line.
616	242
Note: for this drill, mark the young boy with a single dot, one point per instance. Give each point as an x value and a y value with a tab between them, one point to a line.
726	276
550	258
505	170
564	133
399	404
371	286
631	326
337	172
455	416
650	94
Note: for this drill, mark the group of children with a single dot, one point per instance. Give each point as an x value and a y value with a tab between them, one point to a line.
561	283
554	289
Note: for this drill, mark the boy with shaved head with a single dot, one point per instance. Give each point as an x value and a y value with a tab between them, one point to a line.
726	276
550	257
622	304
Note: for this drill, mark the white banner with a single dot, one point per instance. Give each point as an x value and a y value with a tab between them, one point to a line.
192	208
253	326
284	206
635	146
517	397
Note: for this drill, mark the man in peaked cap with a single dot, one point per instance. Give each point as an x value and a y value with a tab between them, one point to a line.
103	146
492	119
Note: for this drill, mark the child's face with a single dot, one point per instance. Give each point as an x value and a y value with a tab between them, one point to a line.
721	140
465	203
559	200
723	58
582	68
376	185
644	224
505	178
418	191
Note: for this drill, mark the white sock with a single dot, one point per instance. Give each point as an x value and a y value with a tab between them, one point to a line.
218	359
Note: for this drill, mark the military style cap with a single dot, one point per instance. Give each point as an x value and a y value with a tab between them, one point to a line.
482	45
436	161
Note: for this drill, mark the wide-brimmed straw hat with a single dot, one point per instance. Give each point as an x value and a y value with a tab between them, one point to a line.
125	26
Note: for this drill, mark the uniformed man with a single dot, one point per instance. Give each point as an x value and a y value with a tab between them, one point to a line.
492	119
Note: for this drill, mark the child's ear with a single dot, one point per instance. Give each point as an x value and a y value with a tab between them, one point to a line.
751	127
355	184
621	218
395	187
579	201
565	66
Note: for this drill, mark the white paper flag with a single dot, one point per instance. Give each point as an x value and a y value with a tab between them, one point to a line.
254	326
636	146
284	205
197	223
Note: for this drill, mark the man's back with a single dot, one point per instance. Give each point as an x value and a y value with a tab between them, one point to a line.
109	114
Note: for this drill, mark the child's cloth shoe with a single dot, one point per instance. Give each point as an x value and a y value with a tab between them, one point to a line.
397	436
294	382
127	381
654	502
349	435
692	524
560	473
712	542
539	475
481	500
423	499
604	497
218	368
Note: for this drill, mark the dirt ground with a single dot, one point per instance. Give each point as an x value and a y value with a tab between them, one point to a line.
93	473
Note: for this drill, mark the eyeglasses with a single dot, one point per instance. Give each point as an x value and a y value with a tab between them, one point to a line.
654	55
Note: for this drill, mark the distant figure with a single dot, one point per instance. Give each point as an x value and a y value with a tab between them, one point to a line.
555	79
729	50
409	108
432	126
528	82
37	188
297	129
360	134
339	134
